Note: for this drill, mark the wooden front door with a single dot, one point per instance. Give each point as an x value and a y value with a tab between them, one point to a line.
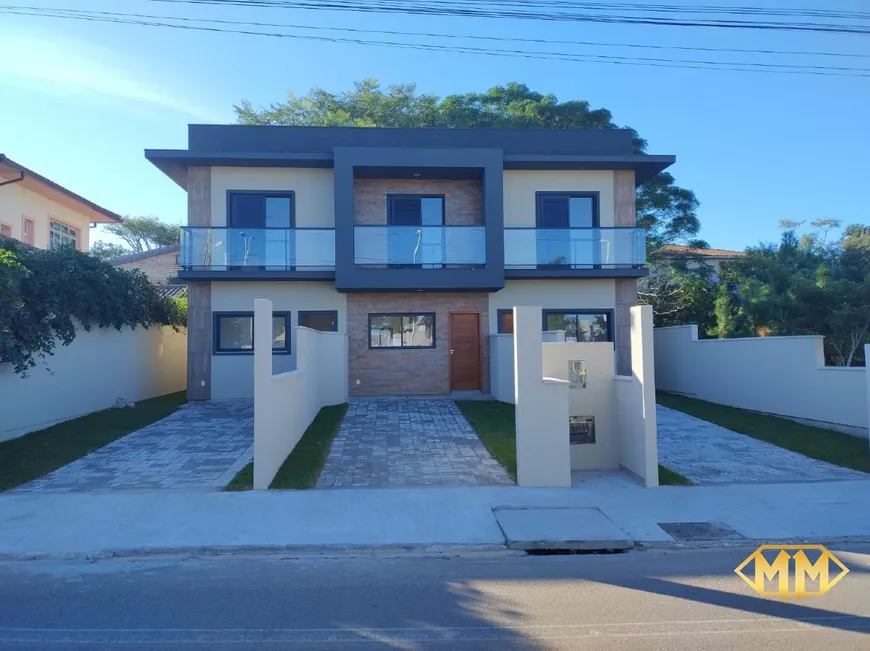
465	351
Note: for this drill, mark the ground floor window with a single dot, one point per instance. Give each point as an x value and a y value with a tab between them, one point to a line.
323	320
234	333
580	325
402	330
505	322
62	235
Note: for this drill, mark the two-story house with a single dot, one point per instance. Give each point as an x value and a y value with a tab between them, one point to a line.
416	243
39	212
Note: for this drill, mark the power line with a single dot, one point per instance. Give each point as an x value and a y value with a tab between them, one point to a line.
563	56
477	37
509	10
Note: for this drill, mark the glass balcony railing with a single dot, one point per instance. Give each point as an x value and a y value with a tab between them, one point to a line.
273	249
427	247
574	248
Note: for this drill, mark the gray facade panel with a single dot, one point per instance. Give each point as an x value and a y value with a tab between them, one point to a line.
349	277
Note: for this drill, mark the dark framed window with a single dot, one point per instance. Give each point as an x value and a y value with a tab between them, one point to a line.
258	209
390	330
234	333
323	320
415	209
567	210
581	325
505	322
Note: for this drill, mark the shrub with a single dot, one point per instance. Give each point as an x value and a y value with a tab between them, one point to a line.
45	295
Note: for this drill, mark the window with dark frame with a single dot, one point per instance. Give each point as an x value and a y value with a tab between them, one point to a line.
580	325
558	247
323	320
234	333
505	322
415	209
407	331
421	247
260	223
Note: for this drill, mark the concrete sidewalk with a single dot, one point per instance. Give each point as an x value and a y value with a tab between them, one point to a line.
64	525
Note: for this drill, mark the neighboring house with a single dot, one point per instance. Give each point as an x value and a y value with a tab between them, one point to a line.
416	243
160	264
43	214
714	258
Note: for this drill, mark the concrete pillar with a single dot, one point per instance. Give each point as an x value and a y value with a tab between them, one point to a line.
867	383
543	450
199	318
262	386
643	370
624	215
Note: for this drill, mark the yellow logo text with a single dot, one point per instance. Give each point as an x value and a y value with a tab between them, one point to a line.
791	571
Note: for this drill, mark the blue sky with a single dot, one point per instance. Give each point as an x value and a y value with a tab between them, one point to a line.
82	100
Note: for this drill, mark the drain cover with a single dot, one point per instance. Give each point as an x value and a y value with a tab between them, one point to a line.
692	531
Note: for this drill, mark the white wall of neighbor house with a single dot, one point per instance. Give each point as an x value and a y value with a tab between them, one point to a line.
18	203
785	376
314	198
521	186
232	376
569	294
286	403
90	374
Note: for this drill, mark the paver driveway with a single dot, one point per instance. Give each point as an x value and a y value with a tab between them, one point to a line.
201	445
707	453
407	442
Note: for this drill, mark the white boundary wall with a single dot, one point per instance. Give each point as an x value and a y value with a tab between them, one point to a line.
785	376
90	374
285	404
535	377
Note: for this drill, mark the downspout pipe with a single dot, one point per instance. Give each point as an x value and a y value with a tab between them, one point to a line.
11	181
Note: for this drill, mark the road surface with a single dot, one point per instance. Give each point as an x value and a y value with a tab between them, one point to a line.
641	600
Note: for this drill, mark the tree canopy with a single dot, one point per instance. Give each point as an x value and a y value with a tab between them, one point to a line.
667	211
143	234
806	284
107	250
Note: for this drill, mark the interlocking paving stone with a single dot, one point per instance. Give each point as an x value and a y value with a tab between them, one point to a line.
202	445
707	453
407	442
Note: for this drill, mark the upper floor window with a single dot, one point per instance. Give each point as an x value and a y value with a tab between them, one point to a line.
29	231
6	230
567	210
261	209
62	235
415	210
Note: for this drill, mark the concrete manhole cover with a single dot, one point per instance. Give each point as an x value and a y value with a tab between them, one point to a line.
695	531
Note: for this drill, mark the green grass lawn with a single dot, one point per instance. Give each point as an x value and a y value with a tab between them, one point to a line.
825	445
494	423
30	456
668	477
302	468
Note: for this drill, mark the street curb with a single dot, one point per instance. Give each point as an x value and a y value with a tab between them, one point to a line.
445	550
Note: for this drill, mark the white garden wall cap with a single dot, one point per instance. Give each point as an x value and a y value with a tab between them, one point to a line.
554	380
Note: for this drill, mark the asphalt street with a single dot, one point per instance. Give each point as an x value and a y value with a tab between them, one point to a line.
652	600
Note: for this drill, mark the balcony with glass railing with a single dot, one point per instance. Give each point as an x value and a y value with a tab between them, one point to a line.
265	249
574	248
424	247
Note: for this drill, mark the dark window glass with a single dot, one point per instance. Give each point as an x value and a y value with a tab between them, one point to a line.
580	326
260	210
323	321
567	211
235	333
402	330
506	322
414	210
